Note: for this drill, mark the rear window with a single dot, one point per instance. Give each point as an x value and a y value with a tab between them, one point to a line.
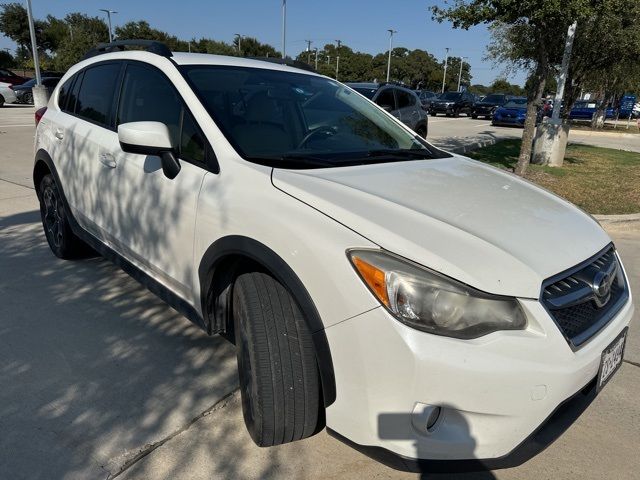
96	94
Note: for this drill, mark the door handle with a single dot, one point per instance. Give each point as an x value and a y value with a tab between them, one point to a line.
59	134
107	160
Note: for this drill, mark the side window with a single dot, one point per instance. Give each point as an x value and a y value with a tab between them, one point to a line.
386	99
73	95
5	73
147	95
405	99
192	144
96	93
65	91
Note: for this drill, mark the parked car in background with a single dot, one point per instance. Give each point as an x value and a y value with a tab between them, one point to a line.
402	103
452	104
7	76
427	98
585	109
488	105
512	113
7	95
24	92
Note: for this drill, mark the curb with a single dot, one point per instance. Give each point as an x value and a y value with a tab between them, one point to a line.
618	219
473	146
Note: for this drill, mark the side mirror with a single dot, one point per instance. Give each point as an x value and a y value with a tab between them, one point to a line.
150	138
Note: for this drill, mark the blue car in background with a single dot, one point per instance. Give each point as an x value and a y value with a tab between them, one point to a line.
512	113
584	110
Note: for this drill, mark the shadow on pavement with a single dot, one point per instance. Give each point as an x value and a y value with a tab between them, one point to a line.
92	366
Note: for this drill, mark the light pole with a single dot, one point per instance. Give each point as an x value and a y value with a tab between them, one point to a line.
239	37
460	74
391	32
34	45
338	42
284	29
446	61
109	12
309	42
316	58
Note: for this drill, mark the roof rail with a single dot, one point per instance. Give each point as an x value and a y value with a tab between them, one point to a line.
286	61
151	46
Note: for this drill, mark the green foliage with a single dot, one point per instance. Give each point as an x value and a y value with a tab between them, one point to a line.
6	59
501	85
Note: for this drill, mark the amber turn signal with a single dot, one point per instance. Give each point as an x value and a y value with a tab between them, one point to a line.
373	277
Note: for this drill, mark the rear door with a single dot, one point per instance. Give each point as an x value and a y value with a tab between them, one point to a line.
79	130
386	98
409	108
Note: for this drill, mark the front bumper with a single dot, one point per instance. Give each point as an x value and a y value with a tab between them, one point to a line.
508	121
495	391
443	108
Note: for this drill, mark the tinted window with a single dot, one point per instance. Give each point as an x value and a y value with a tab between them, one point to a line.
6	73
74	84
451	96
96	93
367	92
296	120
192	145
494	99
405	99
385	99
50	82
63	96
147	95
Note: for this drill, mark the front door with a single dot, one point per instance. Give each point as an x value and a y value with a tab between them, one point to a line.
154	217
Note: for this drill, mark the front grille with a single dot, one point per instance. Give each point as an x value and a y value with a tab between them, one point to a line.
583	300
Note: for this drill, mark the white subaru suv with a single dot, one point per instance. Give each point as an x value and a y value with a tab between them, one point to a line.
427	309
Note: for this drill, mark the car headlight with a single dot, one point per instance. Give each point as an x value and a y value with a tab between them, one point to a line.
431	302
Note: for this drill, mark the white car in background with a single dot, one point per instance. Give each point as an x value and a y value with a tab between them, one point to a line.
429	310
7	95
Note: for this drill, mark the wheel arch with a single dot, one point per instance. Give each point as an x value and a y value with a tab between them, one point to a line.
234	254
42	166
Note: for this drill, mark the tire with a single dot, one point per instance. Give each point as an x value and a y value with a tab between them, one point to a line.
55	222
434	114
28	98
422	131
1	101
456	113
279	378
474	116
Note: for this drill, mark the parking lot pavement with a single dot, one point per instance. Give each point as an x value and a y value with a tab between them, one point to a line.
455	133
98	376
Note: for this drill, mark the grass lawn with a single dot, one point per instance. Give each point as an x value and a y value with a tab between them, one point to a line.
608	127
599	180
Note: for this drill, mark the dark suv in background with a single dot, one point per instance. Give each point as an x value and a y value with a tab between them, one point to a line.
400	102
488	105
452	104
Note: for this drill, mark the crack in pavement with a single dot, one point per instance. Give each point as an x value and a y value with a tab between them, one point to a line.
147	449
635	364
16	183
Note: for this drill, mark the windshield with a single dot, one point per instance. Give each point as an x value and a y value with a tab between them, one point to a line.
516	103
451	96
367	92
494	99
293	120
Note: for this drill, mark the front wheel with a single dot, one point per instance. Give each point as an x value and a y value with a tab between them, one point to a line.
422	131
279	380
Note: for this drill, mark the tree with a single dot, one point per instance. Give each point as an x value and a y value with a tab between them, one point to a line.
501	85
6	59
75	35
143	31
14	24
531	30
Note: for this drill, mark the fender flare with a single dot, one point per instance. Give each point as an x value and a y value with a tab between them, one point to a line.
237	245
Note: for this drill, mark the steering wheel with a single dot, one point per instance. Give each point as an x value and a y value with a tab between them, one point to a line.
329	131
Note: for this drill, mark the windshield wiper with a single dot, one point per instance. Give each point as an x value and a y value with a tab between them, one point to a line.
400	153
300	159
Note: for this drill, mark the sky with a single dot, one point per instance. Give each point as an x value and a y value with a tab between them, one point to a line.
360	24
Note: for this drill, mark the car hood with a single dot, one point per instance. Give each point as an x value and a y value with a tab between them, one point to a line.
477	224
486	104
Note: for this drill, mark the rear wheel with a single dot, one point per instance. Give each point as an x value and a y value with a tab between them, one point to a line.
279	379
1	101
28	98
474	116
55	221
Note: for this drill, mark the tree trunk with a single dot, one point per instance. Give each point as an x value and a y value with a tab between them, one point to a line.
534	97
600	115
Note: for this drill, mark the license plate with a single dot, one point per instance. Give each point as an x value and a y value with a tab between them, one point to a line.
611	359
